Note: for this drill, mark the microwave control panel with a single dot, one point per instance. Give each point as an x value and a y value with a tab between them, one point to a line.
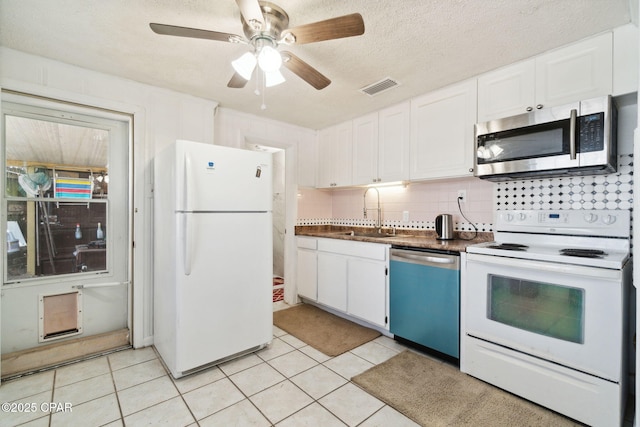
591	132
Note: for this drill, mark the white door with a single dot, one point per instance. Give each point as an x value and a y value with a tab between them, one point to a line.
67	205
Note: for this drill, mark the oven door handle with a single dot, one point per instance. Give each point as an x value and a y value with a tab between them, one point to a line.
524	264
573	118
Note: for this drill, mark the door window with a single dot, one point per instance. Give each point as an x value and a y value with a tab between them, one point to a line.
542	308
57	193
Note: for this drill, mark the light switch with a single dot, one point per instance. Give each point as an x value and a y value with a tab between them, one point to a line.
405	216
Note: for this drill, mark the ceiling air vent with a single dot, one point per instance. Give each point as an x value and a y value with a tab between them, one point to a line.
379	87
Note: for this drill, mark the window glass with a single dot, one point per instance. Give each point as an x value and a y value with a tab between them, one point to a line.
542	308
56	197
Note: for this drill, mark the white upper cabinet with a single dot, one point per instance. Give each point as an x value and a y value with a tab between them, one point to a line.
442	132
580	71
507	91
381	146
625	59
365	149
394	143
334	154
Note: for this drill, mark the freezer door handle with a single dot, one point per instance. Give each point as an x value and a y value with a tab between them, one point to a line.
187	182
188	243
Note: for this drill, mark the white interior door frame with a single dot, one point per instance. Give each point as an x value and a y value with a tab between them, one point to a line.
291	209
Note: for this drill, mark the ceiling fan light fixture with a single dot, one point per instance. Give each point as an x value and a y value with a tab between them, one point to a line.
273	78
269	59
245	65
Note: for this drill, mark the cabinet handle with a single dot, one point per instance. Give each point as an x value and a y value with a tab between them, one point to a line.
470	169
539	106
529	108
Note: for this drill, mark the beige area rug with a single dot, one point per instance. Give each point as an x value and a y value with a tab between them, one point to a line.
433	393
323	331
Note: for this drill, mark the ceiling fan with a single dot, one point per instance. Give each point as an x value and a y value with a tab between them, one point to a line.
266	27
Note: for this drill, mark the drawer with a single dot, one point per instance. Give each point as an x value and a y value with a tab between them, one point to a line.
307	242
374	251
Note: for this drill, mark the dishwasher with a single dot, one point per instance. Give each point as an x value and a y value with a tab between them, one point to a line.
424	299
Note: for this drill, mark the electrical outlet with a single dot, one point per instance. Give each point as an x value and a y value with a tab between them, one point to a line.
405	216
462	195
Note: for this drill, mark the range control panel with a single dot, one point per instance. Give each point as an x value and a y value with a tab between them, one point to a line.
605	222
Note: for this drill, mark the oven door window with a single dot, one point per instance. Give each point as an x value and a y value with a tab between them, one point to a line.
542	308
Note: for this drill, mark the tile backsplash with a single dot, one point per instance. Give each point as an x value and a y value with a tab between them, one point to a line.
612	191
424	200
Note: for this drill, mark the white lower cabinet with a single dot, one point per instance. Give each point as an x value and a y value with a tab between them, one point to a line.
352	277
332	280
307	274
367	290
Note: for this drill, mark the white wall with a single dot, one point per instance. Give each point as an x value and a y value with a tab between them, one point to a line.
160	117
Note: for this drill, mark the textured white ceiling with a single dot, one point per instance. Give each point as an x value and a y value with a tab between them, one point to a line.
424	44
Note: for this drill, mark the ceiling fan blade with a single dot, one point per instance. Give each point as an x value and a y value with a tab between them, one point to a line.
172	30
305	71
251	12
237	81
335	28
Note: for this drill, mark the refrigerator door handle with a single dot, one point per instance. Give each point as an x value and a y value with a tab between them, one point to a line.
188	243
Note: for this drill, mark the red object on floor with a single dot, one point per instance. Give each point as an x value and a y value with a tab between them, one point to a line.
278	290
278	295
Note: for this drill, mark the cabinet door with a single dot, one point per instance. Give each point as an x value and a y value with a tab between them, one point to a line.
365	149
625	59
367	290
507	91
394	143
332	280
326	144
343	154
581	71
442	132
307	274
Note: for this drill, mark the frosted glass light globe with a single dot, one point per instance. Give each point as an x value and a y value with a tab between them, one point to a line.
269	59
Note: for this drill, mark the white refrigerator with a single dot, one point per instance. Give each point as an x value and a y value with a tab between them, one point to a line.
212	254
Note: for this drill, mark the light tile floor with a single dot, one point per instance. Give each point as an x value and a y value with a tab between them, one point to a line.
288	384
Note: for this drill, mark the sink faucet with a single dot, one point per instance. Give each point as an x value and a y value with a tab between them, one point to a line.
364	209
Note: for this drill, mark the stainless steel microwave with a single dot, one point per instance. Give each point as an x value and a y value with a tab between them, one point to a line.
574	139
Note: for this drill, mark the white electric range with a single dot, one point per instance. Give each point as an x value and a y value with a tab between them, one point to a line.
545	310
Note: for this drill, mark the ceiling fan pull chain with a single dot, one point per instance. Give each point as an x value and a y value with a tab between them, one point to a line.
257	91
264	90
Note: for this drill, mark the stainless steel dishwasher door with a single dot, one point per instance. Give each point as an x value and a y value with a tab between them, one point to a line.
424	299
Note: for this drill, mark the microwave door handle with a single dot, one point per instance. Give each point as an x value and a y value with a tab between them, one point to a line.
572	134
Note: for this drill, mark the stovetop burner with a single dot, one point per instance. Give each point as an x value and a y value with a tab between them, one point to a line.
509	246
584	253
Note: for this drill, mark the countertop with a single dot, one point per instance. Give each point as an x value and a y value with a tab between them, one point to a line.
422	239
